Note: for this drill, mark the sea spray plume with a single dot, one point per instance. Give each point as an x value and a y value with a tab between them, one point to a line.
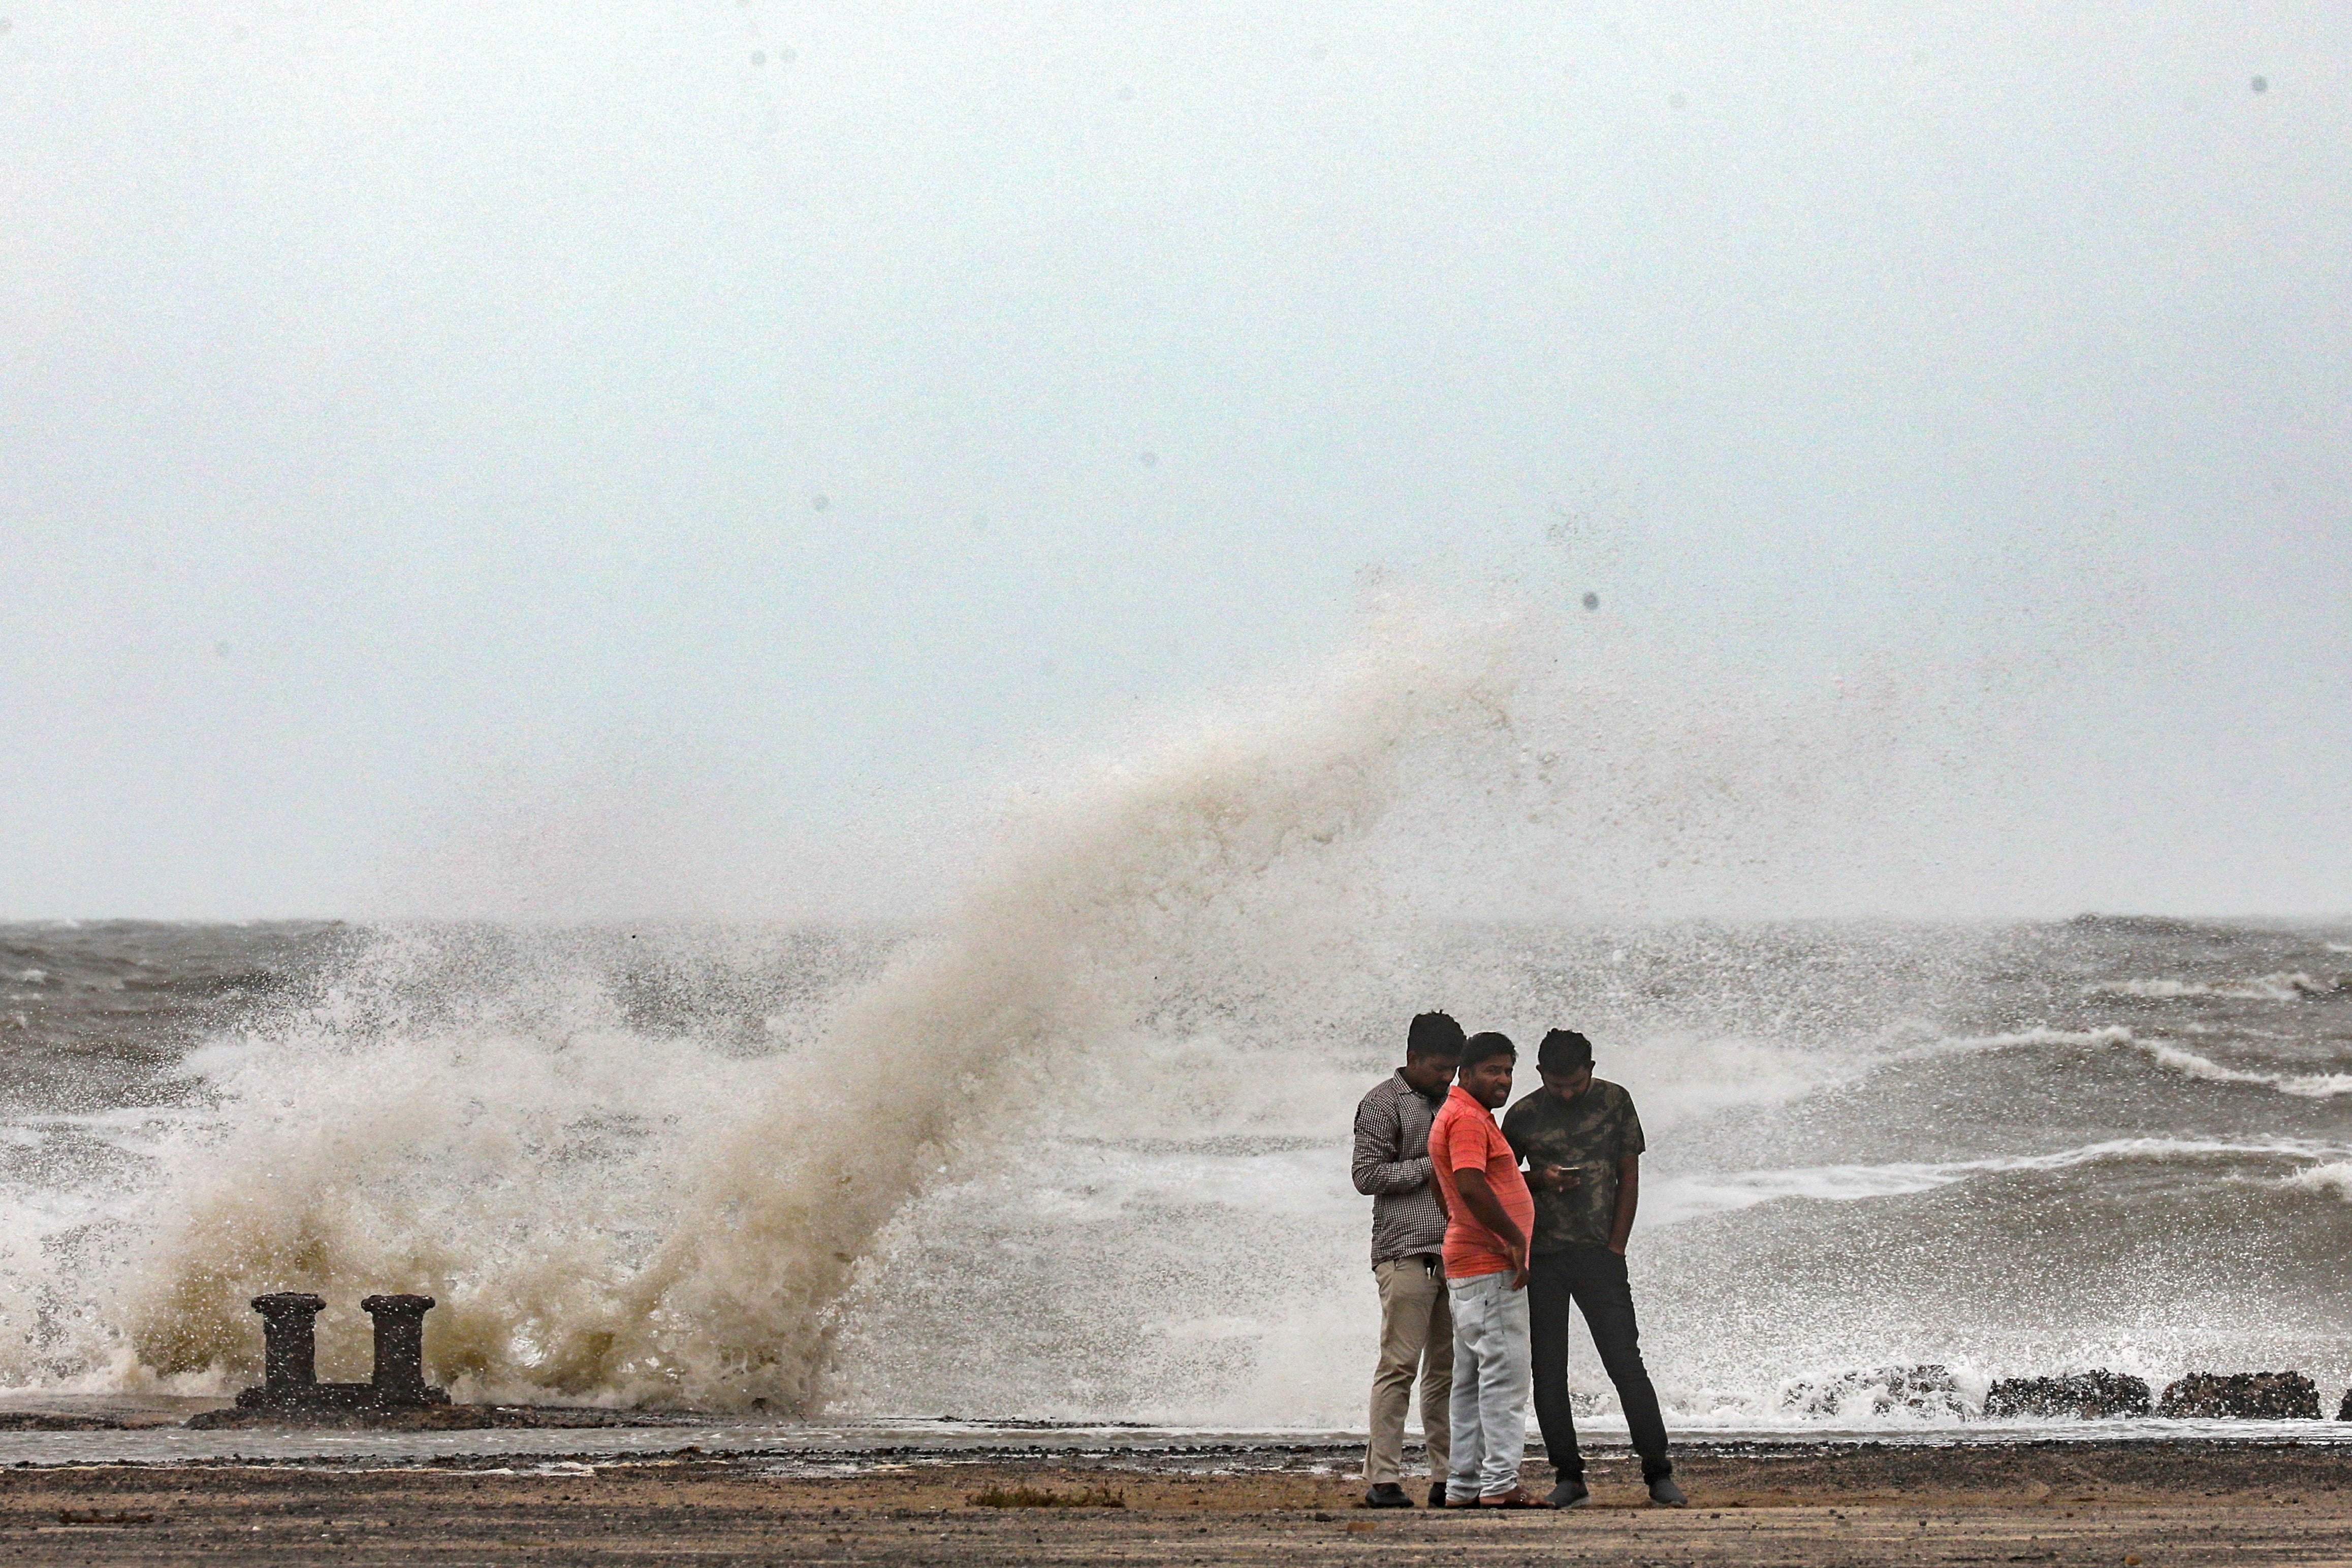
284	1218
626	1203
462	1112
736	1305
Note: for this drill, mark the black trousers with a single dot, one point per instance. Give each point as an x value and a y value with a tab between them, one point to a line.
1594	1279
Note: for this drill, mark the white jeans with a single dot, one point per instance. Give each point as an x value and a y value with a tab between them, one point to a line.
1490	1386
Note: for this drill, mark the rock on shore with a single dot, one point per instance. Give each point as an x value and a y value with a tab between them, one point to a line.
2243	1395
2093	1396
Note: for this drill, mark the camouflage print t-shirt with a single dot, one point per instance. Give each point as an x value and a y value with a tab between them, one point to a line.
1588	1136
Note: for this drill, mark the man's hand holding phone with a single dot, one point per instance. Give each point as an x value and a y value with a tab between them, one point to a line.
1559	1178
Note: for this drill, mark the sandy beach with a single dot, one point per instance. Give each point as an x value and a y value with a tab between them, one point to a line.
2152	1504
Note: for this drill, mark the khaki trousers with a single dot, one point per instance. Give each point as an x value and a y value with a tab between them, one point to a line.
1416	1334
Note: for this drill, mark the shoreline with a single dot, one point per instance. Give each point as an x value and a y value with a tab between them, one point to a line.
99	1429
2168	1502
1338	1463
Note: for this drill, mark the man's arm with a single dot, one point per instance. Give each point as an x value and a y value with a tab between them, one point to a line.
1487	1209
1629	1198
1378	1169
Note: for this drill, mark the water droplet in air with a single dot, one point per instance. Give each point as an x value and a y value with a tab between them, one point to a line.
819	502
1592	601
2262	84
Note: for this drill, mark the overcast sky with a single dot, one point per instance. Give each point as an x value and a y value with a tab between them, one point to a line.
805	421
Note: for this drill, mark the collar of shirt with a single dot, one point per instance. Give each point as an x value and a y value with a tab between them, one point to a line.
1406	1084
1458	1092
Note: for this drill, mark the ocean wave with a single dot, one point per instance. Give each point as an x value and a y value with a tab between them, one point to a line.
2164	1054
2303	1085
2333	1178
1689	1198
1960	1045
2285	986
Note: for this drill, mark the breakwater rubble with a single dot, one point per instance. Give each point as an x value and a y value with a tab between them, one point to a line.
2092	1396
2245	1395
1932	1391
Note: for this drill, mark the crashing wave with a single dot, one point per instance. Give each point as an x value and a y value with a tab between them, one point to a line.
2164	1054
2303	1085
1675	1199
721	1289
2286	986
2114	1034
2333	1177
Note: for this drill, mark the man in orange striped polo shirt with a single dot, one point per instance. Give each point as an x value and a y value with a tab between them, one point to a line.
1490	1216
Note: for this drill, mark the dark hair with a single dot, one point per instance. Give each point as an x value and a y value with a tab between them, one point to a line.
1432	1034
1479	1047
1563	1051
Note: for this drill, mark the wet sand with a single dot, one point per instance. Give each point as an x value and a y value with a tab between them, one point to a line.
2151	1503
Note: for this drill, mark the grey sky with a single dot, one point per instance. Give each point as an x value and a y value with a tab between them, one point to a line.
413	415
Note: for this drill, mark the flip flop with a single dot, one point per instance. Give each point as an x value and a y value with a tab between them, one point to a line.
1520	1499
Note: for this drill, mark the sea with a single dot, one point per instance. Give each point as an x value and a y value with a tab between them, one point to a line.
1042	1163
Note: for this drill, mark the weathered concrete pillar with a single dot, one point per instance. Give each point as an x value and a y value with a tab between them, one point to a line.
400	1348
289	1353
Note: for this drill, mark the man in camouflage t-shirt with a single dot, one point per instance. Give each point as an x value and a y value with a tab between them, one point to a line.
1581	1143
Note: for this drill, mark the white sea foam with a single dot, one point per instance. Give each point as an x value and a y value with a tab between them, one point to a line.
2303	1085
2333	1178
1684	1075
2188	1063
2114	1034
1671	1200
2282	987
